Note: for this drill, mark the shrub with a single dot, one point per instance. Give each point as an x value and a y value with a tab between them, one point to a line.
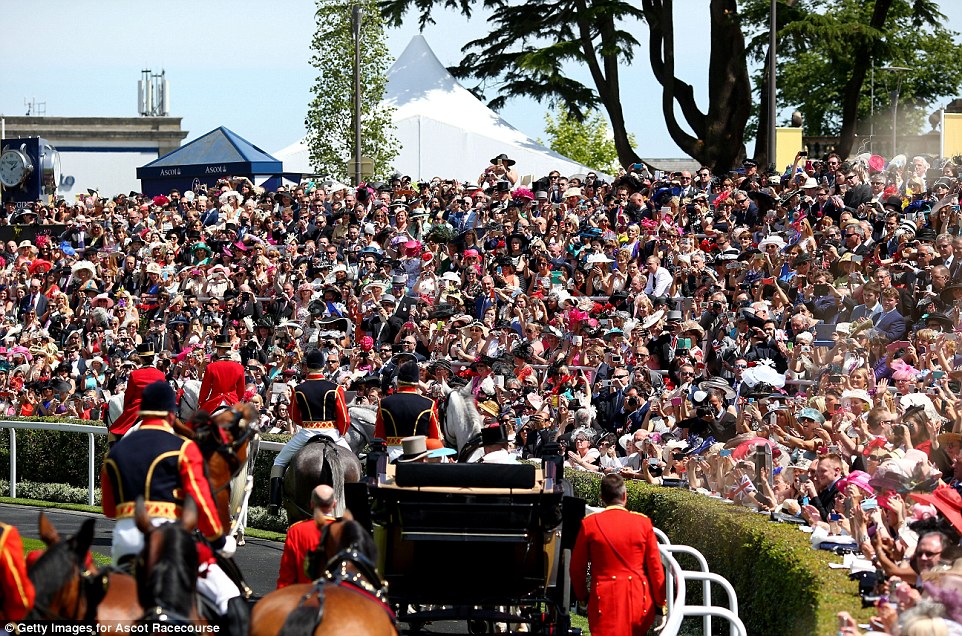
783	585
58	493
51	456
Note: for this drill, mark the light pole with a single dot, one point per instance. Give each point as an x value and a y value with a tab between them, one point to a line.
772	60
356	27
898	70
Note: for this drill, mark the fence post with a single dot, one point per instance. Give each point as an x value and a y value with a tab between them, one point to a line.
13	463
90	469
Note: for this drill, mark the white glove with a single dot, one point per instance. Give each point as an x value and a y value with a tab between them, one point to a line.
660	623
230	547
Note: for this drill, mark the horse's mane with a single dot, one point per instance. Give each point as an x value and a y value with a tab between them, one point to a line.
462	420
174	576
50	571
354	535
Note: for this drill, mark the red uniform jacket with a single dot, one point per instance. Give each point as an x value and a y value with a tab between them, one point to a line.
136	383
164	468
625	590
223	382
16	590
302	537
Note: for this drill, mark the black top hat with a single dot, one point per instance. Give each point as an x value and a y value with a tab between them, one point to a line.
222	342
493	434
158	398
145	349
314	359
408	373
893	203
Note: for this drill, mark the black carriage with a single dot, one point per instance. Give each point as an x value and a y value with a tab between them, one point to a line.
482	543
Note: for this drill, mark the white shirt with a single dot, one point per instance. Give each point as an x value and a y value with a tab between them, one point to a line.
658	283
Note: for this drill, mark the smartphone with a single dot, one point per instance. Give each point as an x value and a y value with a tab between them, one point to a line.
790	345
676	401
835	379
653	461
898	344
666	209
768	281
803	153
869	504
821	290
847	505
856	258
576	341
725	452
803	478
938	375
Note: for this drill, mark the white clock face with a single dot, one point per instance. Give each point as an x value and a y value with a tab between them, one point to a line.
14	167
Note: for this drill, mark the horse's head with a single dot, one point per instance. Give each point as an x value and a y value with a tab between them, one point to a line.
166	569
57	574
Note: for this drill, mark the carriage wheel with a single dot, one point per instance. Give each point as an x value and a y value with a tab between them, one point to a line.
478	626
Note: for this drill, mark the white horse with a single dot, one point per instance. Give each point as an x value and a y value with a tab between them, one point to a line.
462	421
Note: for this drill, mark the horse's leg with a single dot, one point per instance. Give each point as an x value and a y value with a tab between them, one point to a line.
238	498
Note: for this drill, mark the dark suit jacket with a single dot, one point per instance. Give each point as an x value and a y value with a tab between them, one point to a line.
892	325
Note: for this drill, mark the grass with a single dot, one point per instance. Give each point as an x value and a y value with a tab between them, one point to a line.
29	545
267	535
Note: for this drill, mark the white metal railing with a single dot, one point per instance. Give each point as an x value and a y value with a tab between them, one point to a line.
676	587
88	429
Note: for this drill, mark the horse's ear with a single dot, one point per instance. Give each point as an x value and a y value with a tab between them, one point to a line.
83	539
188	518
48	533
250	414
347	516
140	515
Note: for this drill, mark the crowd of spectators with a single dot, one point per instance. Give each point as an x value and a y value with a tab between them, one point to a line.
782	341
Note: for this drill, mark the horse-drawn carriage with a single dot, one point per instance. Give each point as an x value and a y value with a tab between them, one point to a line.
483	543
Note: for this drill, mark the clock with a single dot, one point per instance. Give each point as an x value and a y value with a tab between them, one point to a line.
15	167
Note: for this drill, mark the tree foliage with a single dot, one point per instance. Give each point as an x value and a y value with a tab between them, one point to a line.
587	141
825	57
330	117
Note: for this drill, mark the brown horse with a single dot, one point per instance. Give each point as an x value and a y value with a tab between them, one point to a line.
166	569
224	440
66	590
347	596
321	461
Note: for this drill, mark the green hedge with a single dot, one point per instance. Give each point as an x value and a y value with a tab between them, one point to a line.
783	585
51	456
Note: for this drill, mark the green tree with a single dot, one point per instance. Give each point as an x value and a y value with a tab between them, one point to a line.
587	141
826	51
330	116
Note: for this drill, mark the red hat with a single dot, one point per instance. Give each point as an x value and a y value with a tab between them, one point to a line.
947	501
367	343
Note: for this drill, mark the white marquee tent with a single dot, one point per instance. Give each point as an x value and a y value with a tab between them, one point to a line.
444	130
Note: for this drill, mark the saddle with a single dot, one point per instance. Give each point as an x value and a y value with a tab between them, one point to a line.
320	439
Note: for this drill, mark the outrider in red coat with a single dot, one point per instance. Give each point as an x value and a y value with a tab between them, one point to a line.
625	590
224	383
136	383
302	538
16	590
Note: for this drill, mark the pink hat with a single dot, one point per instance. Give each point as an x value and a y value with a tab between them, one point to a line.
367	343
411	247
471	253
856	478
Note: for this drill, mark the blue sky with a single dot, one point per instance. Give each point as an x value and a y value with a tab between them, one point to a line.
245	64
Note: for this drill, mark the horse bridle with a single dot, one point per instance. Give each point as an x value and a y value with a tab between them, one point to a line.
228	451
84	578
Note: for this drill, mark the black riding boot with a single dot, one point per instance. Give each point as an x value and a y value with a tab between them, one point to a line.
238	616
277	495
